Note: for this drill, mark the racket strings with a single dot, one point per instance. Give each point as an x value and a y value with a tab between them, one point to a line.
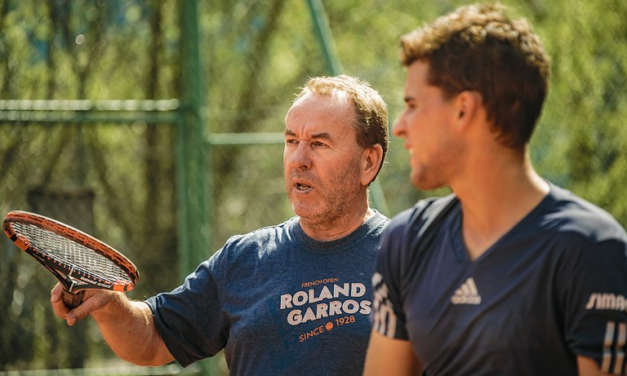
66	251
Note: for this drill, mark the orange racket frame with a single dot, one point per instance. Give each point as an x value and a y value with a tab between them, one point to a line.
75	278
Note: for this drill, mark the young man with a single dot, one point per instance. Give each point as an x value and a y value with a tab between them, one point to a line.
291	299
509	275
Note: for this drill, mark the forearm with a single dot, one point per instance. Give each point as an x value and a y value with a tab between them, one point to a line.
387	356
588	367
128	328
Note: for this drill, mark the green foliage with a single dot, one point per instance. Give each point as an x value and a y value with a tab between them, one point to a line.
581	140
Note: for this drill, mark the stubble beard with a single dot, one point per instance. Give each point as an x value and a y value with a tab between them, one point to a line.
337	198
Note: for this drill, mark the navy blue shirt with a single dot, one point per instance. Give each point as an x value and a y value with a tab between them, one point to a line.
278	302
552	288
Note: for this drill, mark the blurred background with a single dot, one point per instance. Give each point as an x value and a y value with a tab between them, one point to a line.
156	126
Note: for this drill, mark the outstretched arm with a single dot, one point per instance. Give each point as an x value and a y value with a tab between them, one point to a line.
393	357
127	326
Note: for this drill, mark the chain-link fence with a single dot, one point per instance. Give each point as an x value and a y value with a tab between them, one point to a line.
113	179
97	114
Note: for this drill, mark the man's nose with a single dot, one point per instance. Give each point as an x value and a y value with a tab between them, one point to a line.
300	156
399	127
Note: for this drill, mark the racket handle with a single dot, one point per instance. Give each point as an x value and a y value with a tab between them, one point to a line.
71	299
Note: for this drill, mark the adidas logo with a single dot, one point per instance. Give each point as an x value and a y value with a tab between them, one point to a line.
467	293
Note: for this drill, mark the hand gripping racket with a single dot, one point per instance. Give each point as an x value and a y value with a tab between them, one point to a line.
79	261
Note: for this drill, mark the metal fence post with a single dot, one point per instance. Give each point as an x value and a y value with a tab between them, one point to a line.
334	67
193	168
194	196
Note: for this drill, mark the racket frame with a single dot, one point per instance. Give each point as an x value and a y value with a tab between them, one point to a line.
74	279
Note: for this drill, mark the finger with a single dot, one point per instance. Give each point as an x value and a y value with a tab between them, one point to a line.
59	308
93	300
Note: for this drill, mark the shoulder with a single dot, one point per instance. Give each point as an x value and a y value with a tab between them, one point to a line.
572	215
256	244
377	223
262	234
417	225
421	215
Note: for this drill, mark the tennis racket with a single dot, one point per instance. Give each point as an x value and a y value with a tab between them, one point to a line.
79	261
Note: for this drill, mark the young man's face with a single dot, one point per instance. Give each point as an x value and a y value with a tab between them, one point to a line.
427	125
322	160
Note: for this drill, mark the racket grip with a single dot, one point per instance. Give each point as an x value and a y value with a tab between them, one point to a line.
71	299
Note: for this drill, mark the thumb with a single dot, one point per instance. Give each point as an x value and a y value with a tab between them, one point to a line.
74	315
59	308
92	301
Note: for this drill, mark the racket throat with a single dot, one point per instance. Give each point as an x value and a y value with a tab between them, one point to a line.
72	297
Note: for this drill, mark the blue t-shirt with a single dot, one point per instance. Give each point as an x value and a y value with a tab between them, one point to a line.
552	288
278	302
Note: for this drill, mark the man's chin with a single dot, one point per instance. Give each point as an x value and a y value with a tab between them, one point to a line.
306	211
423	184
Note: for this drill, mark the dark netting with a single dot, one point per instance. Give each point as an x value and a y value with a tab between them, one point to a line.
74	256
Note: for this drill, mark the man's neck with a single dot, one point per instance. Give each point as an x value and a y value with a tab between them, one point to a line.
494	201
337	228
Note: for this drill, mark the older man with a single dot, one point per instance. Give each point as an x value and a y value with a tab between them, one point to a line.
290	299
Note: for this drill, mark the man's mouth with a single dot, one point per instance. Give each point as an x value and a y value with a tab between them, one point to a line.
302	187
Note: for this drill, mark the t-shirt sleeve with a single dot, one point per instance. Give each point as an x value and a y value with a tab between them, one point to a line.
190	318
594	294
388	316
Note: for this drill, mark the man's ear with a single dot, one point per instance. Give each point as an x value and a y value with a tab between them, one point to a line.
371	160
467	103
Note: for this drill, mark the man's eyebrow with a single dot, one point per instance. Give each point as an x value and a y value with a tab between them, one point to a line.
315	136
408	98
321	135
